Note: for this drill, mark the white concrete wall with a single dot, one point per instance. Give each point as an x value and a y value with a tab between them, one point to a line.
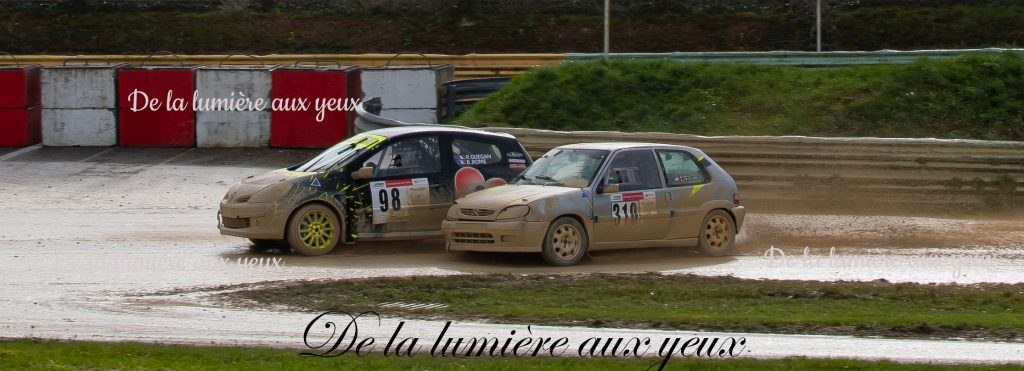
79	87
79	127
233	128
408	88
79	106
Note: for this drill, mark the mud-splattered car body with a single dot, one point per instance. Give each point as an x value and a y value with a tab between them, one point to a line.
395	183
606	196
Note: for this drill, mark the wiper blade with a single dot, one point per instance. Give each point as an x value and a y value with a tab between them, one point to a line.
549	180
526	178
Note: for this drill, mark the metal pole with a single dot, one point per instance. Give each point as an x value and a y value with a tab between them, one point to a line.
607	15
818	20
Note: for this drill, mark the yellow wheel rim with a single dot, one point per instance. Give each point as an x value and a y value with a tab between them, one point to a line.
316	230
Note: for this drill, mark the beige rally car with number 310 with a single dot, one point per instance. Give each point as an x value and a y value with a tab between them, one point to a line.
599	196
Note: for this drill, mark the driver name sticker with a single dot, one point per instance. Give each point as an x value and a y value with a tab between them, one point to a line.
632	206
392	198
473	159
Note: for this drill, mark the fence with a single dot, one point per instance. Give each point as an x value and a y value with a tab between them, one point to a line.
466	66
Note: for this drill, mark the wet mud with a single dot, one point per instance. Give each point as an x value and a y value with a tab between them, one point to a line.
87	234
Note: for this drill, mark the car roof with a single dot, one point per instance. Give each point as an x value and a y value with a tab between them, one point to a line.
614	146
441	129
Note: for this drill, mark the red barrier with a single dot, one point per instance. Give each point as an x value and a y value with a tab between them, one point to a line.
20	112
300	128
170	124
19	127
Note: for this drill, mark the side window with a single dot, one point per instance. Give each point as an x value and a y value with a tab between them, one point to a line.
634	171
412	156
681	169
473	152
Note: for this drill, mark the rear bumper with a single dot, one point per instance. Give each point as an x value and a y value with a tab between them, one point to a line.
251	220
739	212
514	236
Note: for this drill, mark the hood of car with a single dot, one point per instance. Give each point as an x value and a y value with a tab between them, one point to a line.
249	186
274	176
497	198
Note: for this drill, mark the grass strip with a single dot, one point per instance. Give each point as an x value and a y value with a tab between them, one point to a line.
686	302
78	355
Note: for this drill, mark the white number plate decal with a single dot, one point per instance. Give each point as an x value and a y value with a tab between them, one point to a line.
631	206
392	198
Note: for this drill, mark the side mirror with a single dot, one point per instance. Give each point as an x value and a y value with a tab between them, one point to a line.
611	188
363	173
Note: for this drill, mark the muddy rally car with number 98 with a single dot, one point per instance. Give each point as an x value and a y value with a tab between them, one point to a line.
387	184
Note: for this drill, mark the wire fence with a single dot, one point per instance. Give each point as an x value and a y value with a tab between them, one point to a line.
619	7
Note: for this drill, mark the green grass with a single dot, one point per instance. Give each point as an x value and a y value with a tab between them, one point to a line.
991	311
58	355
976	96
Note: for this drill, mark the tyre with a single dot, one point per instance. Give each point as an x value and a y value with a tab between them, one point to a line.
565	243
717	234
259	246
313	230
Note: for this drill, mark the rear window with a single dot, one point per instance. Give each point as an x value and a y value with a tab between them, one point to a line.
681	169
472	152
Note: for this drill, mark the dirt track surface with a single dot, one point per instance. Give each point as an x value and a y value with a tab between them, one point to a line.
85	231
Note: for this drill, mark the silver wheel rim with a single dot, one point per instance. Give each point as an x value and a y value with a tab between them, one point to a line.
718	232
566	242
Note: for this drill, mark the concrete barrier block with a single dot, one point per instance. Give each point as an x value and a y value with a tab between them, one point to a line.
226	82
79	87
233	129
79	127
407	86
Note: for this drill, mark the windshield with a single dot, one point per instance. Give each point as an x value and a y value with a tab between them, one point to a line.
564	167
339	153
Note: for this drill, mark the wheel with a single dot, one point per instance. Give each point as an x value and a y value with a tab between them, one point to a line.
259	246
313	230
565	243
717	234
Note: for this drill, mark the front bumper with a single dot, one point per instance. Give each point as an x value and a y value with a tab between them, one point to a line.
511	236
252	220
739	212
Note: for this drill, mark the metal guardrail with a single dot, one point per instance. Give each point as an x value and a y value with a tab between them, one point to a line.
460	95
466	66
814	173
795	58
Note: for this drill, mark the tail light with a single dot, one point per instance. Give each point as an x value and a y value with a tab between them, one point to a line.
735	198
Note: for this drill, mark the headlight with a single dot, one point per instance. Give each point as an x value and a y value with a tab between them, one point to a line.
272	192
514	212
